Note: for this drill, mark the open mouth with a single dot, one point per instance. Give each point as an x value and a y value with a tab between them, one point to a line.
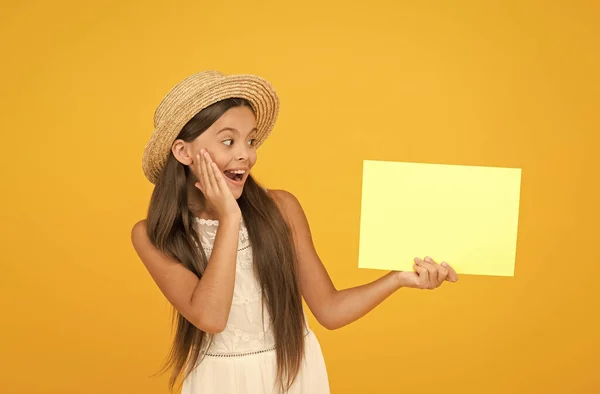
235	175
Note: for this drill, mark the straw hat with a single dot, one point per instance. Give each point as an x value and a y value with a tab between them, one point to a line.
197	92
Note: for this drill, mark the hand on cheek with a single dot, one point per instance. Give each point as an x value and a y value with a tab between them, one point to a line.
194	165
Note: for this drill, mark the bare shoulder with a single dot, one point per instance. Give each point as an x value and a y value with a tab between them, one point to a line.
291	210
142	244
283	196
139	227
287	202
139	233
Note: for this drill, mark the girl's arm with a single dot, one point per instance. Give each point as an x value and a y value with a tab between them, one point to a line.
203	302
336	308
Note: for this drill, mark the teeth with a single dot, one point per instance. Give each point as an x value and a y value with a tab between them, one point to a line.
238	171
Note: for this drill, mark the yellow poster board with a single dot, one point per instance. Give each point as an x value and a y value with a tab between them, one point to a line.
464	215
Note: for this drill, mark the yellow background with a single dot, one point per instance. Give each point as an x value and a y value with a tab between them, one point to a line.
514	84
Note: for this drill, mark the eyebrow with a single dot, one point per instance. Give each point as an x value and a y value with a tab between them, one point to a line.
234	130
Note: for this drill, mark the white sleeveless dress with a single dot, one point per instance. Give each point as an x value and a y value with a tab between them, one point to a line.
241	359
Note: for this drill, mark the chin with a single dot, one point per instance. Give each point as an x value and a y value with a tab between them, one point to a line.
236	191
237	195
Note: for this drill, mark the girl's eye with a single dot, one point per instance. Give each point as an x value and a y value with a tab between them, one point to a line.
252	141
228	142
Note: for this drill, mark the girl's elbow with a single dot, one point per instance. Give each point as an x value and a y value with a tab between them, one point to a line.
213	329
209	325
333	327
327	315
328	323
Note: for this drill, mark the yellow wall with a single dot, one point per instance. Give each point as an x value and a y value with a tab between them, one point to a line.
512	85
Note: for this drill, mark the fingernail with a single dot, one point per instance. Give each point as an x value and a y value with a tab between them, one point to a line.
444	264
417	259
428	259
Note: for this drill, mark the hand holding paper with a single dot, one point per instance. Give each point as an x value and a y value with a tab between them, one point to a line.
427	274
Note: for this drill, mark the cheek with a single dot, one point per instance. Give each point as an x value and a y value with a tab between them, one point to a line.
222	162
252	158
214	155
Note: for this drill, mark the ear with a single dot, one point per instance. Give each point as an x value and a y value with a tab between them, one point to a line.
182	152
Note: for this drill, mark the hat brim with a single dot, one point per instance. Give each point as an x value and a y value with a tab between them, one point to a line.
194	94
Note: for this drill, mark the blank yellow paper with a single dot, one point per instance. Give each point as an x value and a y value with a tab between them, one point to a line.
465	215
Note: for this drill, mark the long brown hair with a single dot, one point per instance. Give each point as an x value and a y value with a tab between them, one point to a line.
171	230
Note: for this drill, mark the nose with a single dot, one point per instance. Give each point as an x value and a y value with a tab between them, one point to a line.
242	153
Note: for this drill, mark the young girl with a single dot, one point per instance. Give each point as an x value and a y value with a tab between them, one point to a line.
234	259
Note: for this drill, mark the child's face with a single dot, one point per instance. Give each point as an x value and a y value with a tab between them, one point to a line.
230	143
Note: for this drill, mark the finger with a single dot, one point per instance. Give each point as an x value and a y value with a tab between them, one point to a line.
432	268
442	275
214	174
452	275
198	165
210	170
205	176
441	272
220	178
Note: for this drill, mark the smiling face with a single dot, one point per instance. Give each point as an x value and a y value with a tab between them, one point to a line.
230	141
